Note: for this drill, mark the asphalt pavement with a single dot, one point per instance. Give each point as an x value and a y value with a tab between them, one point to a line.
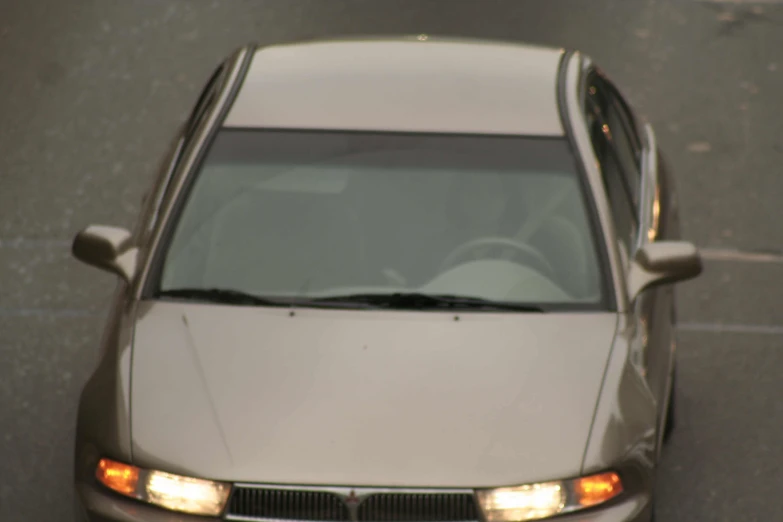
90	92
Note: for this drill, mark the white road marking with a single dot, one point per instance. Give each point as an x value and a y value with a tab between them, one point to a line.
23	242
740	2
758	329
699	147
738	256
707	253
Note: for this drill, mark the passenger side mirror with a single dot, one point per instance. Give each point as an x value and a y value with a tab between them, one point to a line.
106	248
663	262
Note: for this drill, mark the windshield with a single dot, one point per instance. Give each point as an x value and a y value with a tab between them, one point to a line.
310	214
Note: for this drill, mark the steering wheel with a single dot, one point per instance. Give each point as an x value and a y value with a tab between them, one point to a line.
532	256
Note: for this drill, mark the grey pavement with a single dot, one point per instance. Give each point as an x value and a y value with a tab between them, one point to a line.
90	92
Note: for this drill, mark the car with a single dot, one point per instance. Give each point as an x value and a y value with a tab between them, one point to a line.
391	279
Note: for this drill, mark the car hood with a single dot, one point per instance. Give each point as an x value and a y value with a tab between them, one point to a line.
365	398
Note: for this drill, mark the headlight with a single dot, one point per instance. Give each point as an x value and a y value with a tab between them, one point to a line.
537	501
173	492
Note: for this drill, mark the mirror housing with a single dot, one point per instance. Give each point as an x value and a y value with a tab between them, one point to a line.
106	248
663	262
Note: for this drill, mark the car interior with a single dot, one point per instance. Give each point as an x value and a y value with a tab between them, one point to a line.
339	228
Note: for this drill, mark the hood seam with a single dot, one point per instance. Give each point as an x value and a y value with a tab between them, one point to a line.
203	379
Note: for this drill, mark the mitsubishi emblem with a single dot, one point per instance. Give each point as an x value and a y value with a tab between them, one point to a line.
352	502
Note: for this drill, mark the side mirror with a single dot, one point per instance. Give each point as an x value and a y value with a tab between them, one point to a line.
663	262
106	248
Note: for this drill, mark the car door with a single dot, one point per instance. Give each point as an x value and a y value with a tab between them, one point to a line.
631	187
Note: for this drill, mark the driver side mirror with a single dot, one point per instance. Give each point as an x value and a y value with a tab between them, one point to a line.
106	248
663	262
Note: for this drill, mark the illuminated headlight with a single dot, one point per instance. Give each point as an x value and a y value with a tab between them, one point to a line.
172	492
537	501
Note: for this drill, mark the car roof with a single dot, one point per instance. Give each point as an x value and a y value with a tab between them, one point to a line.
402	84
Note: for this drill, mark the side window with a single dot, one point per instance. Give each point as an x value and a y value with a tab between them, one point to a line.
627	120
615	183
619	131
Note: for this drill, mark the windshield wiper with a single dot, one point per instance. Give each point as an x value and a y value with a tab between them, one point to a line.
237	297
222	296
421	301
398	300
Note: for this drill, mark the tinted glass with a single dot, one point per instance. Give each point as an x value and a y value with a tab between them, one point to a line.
294	213
625	152
628	122
615	184
609	106
622	207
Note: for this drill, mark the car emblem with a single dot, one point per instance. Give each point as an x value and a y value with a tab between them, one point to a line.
352	501
352	498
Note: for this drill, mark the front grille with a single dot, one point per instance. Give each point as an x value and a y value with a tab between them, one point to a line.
418	507
312	505
284	504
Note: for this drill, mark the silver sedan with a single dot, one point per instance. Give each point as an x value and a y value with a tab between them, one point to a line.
391	280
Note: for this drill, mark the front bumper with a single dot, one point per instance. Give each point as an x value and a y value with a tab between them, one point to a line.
95	504
637	508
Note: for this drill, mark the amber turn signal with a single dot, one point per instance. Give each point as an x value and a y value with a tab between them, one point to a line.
597	489
122	478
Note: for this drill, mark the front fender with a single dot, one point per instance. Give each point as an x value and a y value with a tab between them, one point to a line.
624	429
103	418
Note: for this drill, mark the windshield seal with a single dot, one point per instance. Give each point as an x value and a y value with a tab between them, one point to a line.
152	285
